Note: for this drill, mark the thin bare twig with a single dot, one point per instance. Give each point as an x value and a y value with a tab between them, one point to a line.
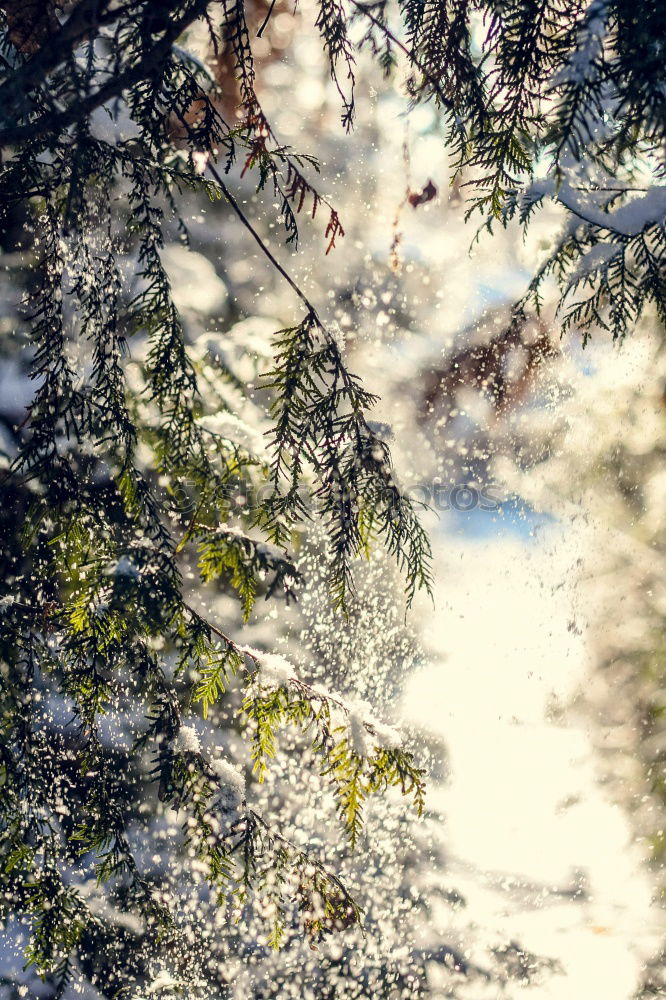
257	238
266	19
434	83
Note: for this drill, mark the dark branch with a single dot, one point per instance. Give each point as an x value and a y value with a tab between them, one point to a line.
59	120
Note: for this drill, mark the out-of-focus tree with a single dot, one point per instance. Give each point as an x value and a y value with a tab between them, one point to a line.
599	457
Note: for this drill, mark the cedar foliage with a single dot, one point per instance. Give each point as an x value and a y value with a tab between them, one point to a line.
94	612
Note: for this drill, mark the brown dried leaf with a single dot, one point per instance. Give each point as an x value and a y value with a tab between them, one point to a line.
416	198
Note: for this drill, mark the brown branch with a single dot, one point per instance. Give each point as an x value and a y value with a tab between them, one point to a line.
229	643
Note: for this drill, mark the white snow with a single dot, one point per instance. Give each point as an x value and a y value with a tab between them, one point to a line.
228	774
234	429
590	44
163	981
194	281
386	736
366	732
274	669
187	740
359	737
596	258
246	348
125	567
232	782
526	818
629	220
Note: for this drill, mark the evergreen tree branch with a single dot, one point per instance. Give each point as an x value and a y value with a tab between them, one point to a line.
58	121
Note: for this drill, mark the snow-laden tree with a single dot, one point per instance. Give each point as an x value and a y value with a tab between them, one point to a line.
127	474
